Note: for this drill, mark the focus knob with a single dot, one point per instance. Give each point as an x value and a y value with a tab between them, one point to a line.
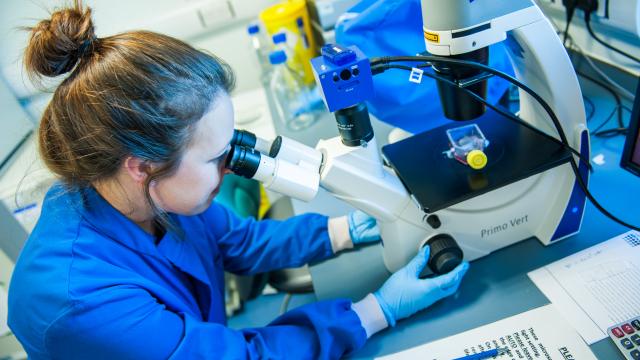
445	254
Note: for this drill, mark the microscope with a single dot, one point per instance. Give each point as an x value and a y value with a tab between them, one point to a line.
418	189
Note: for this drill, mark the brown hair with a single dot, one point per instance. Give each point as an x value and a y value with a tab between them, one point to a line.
137	93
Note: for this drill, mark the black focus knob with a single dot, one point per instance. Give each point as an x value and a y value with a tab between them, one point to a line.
445	254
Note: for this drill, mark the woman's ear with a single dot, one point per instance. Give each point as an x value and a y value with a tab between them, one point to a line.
136	168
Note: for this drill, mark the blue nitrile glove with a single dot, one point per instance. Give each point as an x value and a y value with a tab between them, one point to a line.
404	294
362	228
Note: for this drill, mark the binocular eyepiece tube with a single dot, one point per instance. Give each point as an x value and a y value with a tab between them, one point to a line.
281	147
296	153
276	174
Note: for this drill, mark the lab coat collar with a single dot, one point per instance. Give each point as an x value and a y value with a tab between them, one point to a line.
109	221
112	223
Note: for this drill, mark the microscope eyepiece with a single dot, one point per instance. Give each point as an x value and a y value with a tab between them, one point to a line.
243	138
278	175
243	161
248	139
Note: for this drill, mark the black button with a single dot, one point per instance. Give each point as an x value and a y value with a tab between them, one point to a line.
355	72
627	344
434	221
636	324
635	355
335	77
636	339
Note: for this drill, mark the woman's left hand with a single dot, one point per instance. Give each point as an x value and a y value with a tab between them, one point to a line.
362	228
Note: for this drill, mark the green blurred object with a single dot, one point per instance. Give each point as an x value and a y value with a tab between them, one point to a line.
240	195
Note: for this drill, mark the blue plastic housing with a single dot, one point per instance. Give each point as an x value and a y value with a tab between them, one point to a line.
344	76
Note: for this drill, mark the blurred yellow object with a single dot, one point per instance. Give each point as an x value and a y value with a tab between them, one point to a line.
292	18
477	159
265	204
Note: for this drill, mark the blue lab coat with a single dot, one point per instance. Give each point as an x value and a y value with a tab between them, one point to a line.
92	284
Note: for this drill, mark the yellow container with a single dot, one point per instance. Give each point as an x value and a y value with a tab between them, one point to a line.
292	18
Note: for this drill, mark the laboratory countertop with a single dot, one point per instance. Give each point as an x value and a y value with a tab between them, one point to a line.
496	286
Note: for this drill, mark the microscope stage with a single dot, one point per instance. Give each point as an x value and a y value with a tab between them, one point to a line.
436	181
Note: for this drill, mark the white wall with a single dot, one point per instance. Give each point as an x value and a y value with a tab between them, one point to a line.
14	122
217	25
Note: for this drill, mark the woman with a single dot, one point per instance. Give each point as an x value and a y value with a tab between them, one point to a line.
127	258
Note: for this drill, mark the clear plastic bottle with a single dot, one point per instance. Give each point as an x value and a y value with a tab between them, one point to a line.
261	47
292	97
280	43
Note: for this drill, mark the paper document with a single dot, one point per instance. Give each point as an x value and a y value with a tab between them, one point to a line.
536	334
597	287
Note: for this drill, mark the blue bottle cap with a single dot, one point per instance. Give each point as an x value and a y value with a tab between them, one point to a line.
277	57
253	29
279	38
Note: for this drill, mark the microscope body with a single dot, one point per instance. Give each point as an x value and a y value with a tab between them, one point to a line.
547	205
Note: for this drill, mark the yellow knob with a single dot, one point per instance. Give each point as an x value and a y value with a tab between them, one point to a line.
477	159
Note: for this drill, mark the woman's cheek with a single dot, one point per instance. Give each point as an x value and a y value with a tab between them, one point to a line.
213	176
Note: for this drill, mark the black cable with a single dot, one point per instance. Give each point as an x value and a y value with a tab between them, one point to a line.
587	20
592	107
475	65
606	120
621	129
615	95
609	133
583	56
538	98
596	132
500	110
570	11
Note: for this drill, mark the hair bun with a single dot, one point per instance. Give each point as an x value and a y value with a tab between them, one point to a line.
57	44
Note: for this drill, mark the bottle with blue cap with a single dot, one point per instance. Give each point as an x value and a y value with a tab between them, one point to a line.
261	47
281	41
294	102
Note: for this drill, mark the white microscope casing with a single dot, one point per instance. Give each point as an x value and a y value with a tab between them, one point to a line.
532	207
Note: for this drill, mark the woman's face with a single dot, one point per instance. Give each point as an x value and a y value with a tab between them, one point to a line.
193	186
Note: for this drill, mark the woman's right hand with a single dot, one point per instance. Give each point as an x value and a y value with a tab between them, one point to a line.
404	293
